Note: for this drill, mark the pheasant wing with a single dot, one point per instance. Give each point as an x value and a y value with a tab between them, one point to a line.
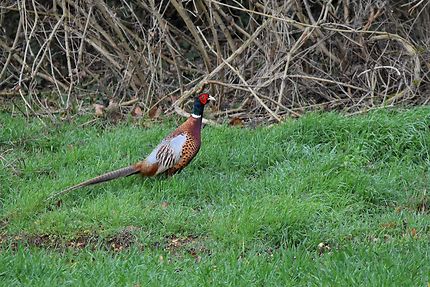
168	153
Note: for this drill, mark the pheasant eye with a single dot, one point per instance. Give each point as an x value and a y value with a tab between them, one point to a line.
204	98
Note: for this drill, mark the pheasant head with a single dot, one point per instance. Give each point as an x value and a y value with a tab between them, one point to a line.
199	104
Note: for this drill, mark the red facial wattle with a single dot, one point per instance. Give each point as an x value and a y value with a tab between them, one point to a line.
204	98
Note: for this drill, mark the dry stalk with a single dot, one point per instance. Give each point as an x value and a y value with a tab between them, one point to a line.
257	98
193	30
279	57
221	66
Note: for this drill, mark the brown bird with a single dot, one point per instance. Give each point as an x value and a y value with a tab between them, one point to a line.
173	153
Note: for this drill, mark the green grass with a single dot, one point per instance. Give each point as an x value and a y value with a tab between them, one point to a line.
251	209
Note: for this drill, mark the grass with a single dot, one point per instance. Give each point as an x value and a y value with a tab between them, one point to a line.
323	200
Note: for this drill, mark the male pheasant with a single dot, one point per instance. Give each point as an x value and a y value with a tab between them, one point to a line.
173	153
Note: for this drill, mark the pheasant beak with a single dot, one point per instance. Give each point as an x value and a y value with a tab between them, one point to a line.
211	98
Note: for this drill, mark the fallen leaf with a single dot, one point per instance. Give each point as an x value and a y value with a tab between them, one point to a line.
137	112
99	109
154	113
236	121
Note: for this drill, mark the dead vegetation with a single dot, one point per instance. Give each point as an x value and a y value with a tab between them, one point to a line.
118	242
263	59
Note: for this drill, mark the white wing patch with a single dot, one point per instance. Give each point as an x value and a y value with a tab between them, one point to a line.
167	153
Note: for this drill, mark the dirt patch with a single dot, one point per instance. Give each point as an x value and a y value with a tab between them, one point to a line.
56	242
41	240
83	241
193	245
49	241
120	241
173	242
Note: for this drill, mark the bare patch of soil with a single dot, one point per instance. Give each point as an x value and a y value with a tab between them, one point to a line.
120	241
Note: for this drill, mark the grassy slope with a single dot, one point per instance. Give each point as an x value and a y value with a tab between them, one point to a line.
252	207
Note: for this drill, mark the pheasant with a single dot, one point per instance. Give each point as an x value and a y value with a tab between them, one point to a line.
172	154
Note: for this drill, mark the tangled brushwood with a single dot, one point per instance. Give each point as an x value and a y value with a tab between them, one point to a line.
262	59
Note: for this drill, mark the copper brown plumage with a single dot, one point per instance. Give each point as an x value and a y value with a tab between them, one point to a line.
173	153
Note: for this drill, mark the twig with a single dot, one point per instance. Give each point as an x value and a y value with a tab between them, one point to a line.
327	81
193	30
284	19
12	49
44	48
248	87
221	24
81	46
128	103
69	63
408	47
380	67
306	33
221	66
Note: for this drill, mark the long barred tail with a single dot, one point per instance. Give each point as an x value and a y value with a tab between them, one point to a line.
126	171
